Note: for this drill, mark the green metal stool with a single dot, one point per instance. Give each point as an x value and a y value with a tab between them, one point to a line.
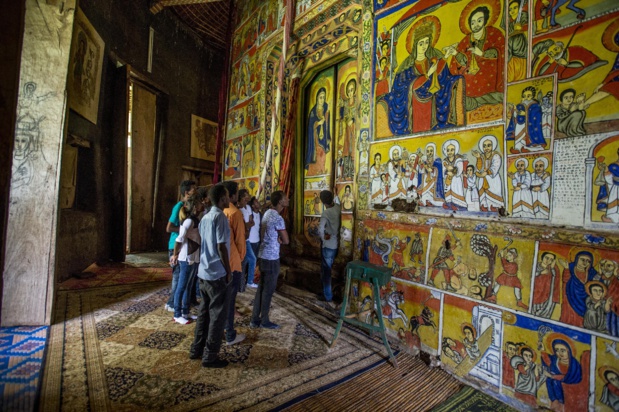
377	276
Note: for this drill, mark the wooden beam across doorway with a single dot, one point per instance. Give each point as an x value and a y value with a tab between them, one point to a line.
158	5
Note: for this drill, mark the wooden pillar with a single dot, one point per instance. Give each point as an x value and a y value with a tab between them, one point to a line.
28	275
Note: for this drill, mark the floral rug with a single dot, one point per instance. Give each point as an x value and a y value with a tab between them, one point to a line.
117	349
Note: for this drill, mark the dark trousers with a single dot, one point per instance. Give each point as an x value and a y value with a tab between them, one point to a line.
233	289
269	272
211	319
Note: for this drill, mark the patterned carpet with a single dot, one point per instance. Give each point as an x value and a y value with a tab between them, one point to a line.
118	274
472	400
21	358
117	349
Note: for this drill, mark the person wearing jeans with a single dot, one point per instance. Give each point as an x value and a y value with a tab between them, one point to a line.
274	232
251	214
328	230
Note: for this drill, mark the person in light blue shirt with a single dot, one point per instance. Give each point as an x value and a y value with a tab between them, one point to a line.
187	188
215	279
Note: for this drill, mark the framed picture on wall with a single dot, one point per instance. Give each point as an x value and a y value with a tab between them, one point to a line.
85	66
203	138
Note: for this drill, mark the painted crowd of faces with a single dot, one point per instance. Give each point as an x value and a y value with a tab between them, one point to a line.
428	78
573	285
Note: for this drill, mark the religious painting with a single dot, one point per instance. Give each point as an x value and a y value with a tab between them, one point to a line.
517	40
363	148
545	365
85	66
346	235
344	192
250	184
203	138
270	18
471	340
450	172
605	182
484	267
251	156
584	59
310	229
312	206
244	118
549	15
530	186
232	159
347	120
398	246
68	176
318	157
606	376
440	78
530	116
422	308
577	286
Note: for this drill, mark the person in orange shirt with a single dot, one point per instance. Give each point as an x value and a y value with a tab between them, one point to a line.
237	254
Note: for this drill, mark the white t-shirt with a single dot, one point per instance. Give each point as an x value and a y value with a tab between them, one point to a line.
188	230
254	231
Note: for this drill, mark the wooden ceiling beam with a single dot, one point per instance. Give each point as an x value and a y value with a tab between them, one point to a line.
158	5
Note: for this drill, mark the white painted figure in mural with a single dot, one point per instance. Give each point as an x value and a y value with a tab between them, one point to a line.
529	376
318	135
376	180
363	146
525	124
470	341
608	196
610	393
348	108
547	290
540	188
397	174
430	178
522	199
472	193
598	305
488	168
571	113
546	104
453	167
411	173
348	201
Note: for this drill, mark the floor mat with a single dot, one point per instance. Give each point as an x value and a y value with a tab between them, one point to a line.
472	400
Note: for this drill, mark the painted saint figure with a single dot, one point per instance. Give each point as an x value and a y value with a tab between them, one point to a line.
575	276
376	171
540	188
610	393
529	377
396	169
522	199
569	63
348	129
430	178
489	180
318	135
472	193
424	95
598	305
470	341
525	124
517	44
547	291
509	277
453	166
608	195
571	113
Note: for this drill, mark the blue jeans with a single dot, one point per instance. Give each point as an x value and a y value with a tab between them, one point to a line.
249	263
233	289
269	272
175	271
326	263
182	296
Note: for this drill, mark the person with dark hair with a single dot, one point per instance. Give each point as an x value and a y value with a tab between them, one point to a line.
571	113
186	254
250	258
215	276
187	188
237	254
273	233
328	230
253	239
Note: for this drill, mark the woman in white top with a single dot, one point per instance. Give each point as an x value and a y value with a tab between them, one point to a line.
251	213
187	254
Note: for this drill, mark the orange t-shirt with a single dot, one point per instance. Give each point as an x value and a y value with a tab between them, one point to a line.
237	237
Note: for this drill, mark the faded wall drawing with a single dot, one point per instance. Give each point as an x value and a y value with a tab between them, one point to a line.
85	67
203	138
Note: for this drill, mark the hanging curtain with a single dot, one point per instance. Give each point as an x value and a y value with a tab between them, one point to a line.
289	136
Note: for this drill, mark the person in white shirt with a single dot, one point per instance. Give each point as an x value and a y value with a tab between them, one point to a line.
251	213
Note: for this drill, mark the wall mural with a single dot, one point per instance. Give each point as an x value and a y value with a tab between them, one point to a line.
499	118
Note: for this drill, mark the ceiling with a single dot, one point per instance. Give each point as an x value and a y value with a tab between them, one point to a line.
207	18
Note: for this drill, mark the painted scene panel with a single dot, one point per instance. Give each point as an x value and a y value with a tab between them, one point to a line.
345	194
606	376
578	286
450	172
471	342
585	60
545	365
251	154
530	186
430	78
347	120
232	159
398	246
549	15
605	177
484	267
346	236
320	118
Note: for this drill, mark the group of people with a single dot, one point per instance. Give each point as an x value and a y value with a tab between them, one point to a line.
217	235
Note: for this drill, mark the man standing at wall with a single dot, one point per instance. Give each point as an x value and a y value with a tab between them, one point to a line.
215	275
273	233
328	231
187	188
237	254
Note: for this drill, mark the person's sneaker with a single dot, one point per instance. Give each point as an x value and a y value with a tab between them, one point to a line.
239	338
190	317
182	320
253	325
217	363
270	325
252	285
169	308
194	355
